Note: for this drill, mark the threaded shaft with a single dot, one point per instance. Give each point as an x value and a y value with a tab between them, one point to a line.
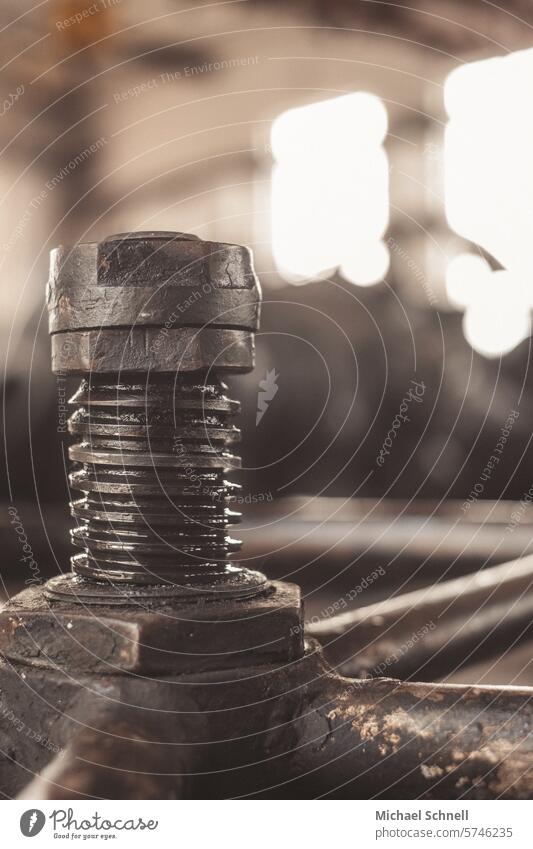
152	458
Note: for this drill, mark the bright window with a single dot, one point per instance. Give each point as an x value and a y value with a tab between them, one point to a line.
330	190
489	196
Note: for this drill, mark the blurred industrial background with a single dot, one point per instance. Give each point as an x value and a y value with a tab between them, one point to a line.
377	158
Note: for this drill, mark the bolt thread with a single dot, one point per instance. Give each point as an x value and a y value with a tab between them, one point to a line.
151	463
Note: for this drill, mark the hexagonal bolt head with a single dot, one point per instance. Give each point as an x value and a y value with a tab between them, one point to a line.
160	302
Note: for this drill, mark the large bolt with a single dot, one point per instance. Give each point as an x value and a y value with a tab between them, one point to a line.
151	321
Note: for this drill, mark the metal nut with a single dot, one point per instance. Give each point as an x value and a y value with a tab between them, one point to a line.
146	278
152	302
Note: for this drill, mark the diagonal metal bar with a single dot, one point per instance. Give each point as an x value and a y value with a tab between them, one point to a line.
432	631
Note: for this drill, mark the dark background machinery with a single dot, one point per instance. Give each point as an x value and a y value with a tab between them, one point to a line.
92	145
158	664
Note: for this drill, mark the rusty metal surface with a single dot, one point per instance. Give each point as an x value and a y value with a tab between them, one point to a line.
153	458
144	349
144	302
144	278
294	730
155	441
96	628
436	741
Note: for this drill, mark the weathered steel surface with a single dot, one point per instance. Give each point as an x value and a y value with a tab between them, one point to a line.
122	631
154	422
390	739
152	349
293	730
96	307
153	457
150	258
152	301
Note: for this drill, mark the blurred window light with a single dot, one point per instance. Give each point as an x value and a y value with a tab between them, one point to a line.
366	264
330	179
497	310
500	320
466	276
489	196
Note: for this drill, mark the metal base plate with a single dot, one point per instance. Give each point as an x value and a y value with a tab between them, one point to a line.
74	625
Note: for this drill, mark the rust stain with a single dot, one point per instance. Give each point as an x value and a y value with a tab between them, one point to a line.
426	694
431	771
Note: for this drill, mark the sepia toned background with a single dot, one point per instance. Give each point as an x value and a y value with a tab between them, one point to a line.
377	158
